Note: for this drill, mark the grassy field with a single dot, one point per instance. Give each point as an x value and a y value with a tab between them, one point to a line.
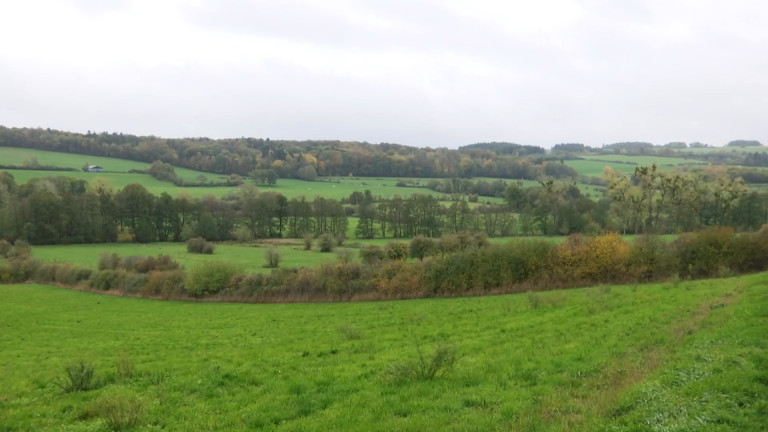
592	166
17	156
678	356
250	257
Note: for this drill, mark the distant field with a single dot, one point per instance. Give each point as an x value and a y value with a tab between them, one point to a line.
676	356
250	257
17	156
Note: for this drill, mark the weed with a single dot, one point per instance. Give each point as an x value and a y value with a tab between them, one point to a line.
534	299
272	258
426	367
79	377
350	332
124	366
119	409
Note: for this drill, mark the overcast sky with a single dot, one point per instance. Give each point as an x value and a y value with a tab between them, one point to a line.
415	72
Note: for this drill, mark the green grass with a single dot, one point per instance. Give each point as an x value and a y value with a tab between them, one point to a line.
593	166
587	359
250	257
17	156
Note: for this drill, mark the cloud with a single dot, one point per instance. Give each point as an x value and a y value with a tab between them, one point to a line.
421	72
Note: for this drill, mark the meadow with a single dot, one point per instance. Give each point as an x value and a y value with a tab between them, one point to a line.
676	356
250	257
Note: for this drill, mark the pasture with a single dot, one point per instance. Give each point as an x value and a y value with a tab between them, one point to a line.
676	356
249	257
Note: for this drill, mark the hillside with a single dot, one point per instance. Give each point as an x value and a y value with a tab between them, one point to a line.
675	356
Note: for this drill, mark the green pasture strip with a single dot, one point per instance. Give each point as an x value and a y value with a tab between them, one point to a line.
710	150
717	379
663	162
120	180
592	168
547	361
250	257
17	156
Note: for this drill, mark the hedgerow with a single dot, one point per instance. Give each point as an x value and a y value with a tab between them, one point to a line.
474	267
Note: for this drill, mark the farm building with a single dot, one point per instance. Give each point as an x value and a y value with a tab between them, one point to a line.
95	168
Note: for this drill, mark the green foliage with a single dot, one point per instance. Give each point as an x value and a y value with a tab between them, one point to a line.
308	241
396	251
426	366
421	247
272	257
79	376
326	243
307	173
644	358
106	280
199	245
119	408
124	366
5	248
109	261
210	277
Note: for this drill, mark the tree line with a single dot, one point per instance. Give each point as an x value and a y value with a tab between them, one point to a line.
68	210
297	159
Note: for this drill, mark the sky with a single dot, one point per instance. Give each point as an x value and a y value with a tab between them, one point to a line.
423	73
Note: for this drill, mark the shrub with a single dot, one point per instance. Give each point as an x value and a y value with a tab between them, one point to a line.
120	409
421	247
272	257
344	256
704	253
79	377
133	282
23	268
166	284
327	243
106	280
307	241
396	251
109	261
200	246
124	366
372	254
210	277
648	258
20	249
46	272
5	248
67	274
439	364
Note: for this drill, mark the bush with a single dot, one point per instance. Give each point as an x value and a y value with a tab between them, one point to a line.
78	377
439	364
106	280
372	254
396	251
649	259
124	366
421	247
109	261
272	257
46	272
20	249
5	248
705	253
327	243
165	284
307	241
210	277
120	409
23	268
200	246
